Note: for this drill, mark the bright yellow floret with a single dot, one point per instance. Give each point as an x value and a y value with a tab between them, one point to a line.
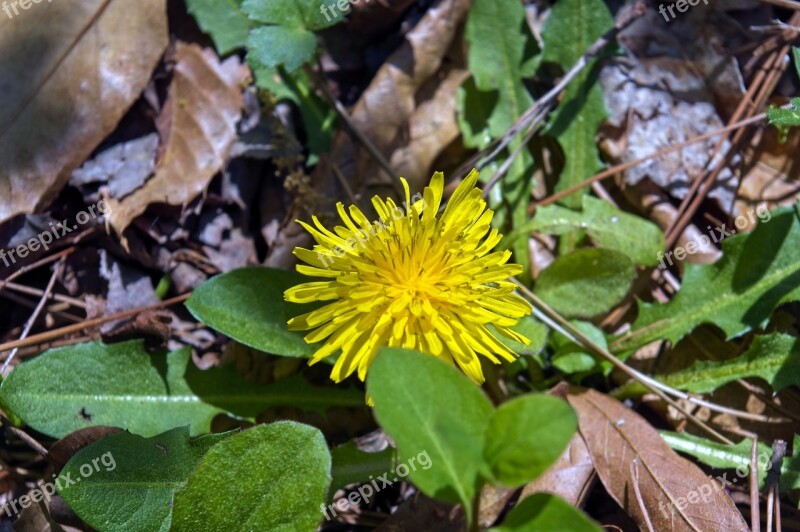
412	279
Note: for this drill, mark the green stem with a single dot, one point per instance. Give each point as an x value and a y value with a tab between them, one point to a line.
475	525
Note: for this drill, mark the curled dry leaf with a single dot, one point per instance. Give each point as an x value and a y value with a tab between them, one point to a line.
431	128
197	128
68	446
570	477
384	110
384	115
635	464
70	72
771	171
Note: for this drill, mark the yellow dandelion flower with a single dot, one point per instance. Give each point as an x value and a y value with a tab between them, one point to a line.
412	279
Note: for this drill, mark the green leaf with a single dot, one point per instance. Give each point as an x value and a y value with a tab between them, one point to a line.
308	14
586	282
796	57
526	436
273	46
721	456
426	405
575	127
570	357
248	306
125	482
500	50
475	107
757	272
288	39
609	227
544	511
785	117
577	362
351	465
773	357
225	22
122	385
532	329
270	477
572	27
499	38
790	468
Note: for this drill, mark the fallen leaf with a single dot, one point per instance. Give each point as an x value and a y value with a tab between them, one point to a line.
680	86
197	127
68	446
384	110
128	288
70	72
431	128
382	114
422	513
570	477
634	463
124	166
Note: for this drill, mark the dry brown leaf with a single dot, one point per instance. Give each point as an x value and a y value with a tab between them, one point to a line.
422	513
384	110
570	477
70	72
382	114
676	81
635	464
197	128
431	128
64	449
772	171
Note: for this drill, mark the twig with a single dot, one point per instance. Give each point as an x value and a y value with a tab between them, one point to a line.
770	501
663	151
536	112
476	511
41	262
69	329
35	315
764	82
344	183
640	501
718	408
557	322
36	292
777	27
29	441
788	4
35	350
755	518
11	296
355	130
764	397
510	159
772	482
732	411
